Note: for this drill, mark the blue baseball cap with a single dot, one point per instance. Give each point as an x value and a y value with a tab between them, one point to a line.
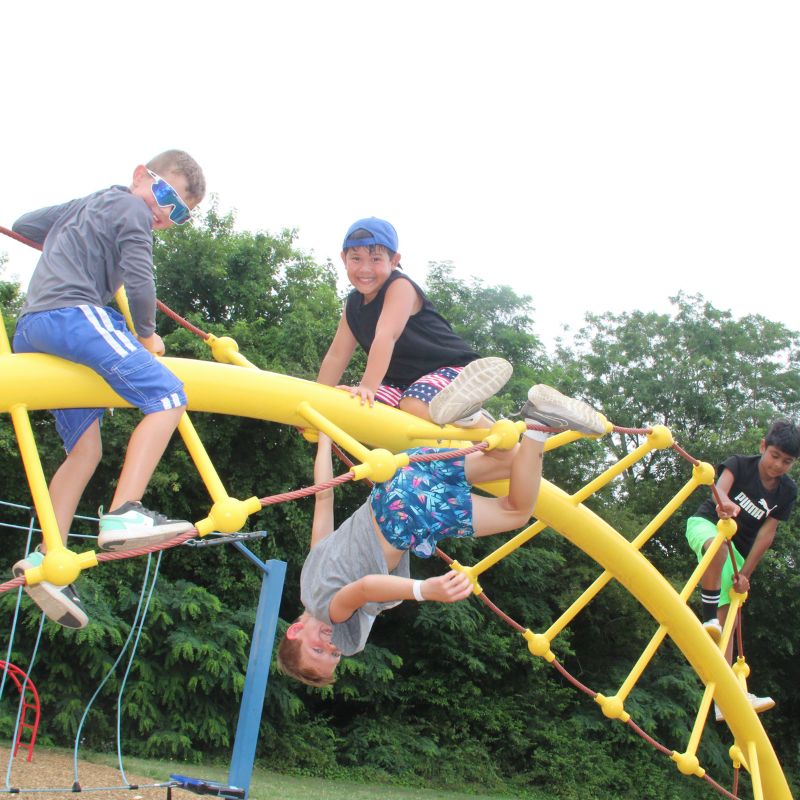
379	231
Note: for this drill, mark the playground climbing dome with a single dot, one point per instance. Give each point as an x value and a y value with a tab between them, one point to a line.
373	439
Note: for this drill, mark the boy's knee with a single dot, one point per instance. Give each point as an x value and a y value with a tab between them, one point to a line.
514	518
89	448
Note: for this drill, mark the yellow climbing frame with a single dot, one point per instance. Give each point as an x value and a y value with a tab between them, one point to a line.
30	382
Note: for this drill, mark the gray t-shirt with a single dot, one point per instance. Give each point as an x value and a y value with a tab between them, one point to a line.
92	246
342	557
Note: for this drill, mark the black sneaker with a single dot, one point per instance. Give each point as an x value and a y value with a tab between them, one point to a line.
132	525
547	406
59	603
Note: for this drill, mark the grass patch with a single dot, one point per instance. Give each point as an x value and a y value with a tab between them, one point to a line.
267	785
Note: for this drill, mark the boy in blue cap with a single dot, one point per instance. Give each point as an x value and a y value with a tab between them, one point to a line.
415	360
91	247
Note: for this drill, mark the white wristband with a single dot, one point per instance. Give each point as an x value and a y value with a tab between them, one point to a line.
416	587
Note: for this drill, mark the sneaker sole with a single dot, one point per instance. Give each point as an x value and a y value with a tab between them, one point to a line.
128	540
569	412
477	382
51	600
759	709
766	705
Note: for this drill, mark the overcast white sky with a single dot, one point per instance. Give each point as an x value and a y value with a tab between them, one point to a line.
595	155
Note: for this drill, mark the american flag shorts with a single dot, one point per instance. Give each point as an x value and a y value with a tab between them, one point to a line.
424	388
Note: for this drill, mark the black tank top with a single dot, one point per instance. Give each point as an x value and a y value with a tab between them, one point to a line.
427	343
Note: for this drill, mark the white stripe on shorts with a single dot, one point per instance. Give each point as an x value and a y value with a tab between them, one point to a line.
123	336
103	330
170	401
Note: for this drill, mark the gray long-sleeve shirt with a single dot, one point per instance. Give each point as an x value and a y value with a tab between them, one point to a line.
92	246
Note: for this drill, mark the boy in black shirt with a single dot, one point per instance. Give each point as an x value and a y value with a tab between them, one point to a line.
757	492
415	360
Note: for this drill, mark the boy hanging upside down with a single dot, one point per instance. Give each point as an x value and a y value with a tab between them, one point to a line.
360	569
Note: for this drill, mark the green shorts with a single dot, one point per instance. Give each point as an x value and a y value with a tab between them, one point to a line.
698	531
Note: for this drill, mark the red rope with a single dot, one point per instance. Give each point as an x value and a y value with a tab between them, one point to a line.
143	551
164	309
633	431
678	449
307	491
117	556
161	306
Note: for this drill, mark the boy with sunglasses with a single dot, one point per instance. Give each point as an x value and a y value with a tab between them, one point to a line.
92	246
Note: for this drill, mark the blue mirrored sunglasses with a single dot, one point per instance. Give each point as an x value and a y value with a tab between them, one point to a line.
165	196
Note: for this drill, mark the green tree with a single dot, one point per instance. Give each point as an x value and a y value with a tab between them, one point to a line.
496	322
717	382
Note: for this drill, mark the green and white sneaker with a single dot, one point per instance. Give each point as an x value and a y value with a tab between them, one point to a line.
547	406
132	525
59	603
461	402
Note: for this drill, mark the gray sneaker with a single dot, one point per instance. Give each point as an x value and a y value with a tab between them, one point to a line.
547	406
132	525
59	603
465	396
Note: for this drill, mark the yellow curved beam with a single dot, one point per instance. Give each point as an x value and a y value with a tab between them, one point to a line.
39	382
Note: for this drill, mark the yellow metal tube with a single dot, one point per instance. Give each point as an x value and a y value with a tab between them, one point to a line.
36	479
322	423
5	346
755	771
199	456
509	547
641	664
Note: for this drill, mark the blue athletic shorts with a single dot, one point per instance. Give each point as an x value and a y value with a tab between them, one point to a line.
698	531
424	503
99	338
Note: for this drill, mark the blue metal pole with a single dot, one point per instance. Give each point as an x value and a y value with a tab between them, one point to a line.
255	682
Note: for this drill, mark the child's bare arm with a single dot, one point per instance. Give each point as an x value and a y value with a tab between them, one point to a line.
726	508
323	521
339	354
448	588
762	543
400	303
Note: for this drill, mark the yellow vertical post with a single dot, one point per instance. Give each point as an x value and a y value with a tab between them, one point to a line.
32	463
227	514
5	347
36	479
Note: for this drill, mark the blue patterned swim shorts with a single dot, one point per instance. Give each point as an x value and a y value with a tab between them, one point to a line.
424	503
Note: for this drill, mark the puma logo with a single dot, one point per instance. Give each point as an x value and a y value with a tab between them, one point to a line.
763	502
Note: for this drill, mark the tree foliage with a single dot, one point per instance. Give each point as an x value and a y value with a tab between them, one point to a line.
442	694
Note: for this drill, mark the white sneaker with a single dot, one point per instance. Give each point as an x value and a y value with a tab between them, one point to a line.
547	406
466	394
713	628
133	525
760	704
59	603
